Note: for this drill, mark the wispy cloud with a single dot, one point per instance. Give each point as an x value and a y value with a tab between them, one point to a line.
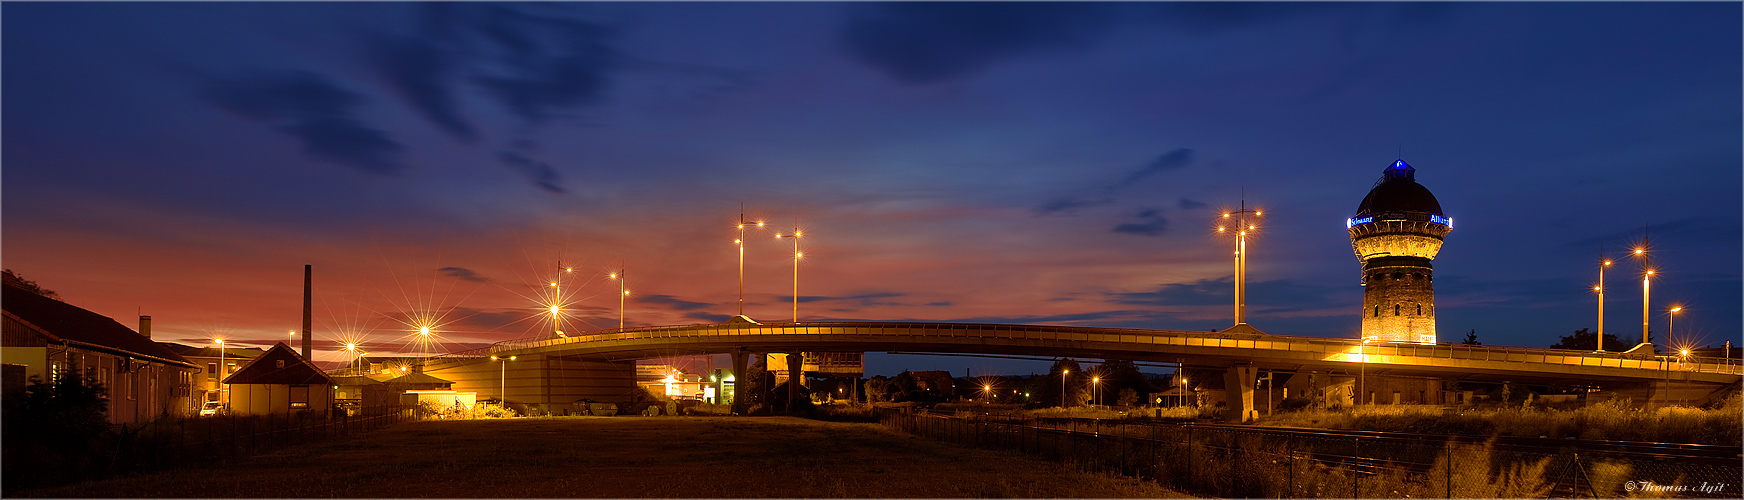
311	108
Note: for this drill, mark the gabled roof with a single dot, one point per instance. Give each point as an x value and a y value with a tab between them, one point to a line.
62	322
265	369
212	352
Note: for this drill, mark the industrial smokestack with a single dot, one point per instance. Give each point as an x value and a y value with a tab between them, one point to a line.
145	326
308	337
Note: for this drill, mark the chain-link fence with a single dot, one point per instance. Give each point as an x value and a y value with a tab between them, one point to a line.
34	461
1240	462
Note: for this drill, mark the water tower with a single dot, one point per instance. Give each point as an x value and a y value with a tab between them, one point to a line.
1396	232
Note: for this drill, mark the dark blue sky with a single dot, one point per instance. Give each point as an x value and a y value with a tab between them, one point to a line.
1024	163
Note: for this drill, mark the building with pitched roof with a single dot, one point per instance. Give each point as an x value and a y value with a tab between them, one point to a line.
279	381
41	337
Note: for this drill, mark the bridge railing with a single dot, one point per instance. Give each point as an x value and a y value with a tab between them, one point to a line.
1328	348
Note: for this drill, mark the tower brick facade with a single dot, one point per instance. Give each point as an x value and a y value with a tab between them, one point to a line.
1397	231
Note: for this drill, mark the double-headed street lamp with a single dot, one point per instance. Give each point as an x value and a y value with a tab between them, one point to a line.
503	381
795	235
620	276
741	243
1242	228
1646	282
557	300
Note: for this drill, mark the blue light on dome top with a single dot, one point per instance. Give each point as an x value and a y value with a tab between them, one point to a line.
1399	169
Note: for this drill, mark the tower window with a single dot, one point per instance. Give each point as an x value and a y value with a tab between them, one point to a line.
1395	309
1377	310
1419	309
1416	276
1398	276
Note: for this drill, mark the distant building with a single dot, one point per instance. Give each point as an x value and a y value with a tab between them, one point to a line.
206	386
40	337
279	381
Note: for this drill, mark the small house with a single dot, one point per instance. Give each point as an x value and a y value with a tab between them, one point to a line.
279	381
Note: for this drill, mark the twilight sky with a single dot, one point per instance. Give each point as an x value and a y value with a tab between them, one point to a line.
1012	163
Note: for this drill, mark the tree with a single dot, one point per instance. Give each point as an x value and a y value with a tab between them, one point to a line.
877	388
1472	338
1048	393
55	431
1584	340
31	286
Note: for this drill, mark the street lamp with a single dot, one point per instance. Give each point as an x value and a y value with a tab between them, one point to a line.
1670	321
221	373
1093	382
741	243
1181	400
795	235
352	348
1242	228
1063	373
987	390
621	276
503	380
1646	280
1362	371
557	300
1603	263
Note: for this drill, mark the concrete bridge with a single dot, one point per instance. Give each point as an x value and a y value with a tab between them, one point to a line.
599	365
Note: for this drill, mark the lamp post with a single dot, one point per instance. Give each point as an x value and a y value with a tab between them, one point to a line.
1182	399
741	243
557	300
987	390
1242	228
796	256
1603	263
1063	373
1670	321
352	348
221	373
1093	385
1646	283
503	381
621	276
1362	371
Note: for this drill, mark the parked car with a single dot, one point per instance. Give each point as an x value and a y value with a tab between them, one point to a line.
212	408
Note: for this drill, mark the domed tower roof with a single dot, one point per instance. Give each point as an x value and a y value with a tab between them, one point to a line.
1398	191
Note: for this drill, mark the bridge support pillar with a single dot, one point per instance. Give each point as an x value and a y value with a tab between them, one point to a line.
1239	382
741	398
795	376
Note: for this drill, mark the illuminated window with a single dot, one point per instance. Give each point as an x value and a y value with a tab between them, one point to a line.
299	396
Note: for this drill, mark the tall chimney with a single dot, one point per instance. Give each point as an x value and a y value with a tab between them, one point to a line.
308	337
145	326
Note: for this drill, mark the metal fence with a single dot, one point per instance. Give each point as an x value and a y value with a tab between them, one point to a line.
170	443
1235	462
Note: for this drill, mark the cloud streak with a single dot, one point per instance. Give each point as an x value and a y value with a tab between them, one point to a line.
312	109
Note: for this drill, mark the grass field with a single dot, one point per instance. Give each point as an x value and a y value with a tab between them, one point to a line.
619	457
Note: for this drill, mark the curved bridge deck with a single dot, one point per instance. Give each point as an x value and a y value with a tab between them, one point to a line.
1190	348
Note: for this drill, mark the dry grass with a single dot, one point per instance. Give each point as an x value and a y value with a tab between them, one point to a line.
1609	421
617	457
